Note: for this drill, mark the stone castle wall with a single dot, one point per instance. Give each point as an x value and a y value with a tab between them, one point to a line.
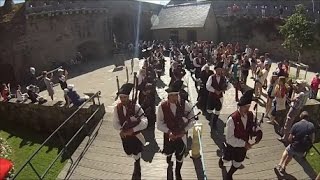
50	33
47	117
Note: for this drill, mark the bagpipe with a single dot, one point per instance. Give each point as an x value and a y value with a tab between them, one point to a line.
182	126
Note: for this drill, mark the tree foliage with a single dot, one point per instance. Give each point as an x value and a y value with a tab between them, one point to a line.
298	32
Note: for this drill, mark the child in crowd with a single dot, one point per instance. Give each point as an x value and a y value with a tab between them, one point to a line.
21	97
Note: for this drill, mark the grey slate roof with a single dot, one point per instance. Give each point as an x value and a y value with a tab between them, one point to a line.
182	16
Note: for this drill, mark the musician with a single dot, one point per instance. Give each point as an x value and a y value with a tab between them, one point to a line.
240	127
198	62
216	85
174	119
147	102
129	119
142	78
203	92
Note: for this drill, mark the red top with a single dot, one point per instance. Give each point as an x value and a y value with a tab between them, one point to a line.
5	94
5	167
239	131
315	83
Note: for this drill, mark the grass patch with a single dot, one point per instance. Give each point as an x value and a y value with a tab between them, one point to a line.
23	144
314	158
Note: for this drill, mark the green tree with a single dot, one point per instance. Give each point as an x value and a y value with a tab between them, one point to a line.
298	33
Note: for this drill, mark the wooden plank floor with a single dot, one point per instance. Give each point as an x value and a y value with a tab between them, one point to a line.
104	158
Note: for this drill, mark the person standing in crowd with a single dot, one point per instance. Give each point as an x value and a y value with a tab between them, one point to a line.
278	112
235	78
63	75
203	92
296	106
240	127
174	119
216	85
254	59
301	138
129	119
270	93
261	76
32	78
315	86
245	67
148	104
47	77
198	63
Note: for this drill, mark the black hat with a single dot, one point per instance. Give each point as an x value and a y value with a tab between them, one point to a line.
125	89
218	65
175	87
246	98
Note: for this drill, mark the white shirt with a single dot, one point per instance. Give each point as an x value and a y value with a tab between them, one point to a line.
160	117
142	125
230	138
264	76
195	63
209	83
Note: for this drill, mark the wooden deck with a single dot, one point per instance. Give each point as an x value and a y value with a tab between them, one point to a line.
105	158
102	156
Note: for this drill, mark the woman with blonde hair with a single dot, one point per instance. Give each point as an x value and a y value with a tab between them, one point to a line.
270	92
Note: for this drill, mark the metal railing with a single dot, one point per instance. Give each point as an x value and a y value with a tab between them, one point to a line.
202	156
65	145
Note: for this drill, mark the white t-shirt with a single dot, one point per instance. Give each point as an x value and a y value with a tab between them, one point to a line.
263	77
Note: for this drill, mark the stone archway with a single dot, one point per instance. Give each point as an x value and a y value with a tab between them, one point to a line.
90	50
7	74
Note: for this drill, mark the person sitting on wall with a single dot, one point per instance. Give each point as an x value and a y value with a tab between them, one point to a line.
5	92
33	95
21	97
74	97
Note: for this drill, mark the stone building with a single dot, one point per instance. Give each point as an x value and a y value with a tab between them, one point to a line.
189	21
46	34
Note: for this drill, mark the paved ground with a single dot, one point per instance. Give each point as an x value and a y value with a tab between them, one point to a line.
102	157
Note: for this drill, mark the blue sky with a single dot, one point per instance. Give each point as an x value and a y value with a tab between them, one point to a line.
164	2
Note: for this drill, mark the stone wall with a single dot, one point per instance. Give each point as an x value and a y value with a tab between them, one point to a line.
45	118
264	34
49	34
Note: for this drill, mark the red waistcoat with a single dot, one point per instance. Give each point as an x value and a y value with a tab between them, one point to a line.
221	86
130	111
239	131
174	123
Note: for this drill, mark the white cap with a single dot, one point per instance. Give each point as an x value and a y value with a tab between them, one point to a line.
70	86
301	81
60	70
32	70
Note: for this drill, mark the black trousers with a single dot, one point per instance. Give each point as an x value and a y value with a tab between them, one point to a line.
214	104
131	145
237	154
176	147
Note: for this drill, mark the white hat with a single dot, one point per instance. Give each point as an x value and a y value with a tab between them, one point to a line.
60	70
70	86
32	70
301	81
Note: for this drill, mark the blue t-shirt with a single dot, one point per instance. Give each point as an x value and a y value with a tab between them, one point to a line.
300	131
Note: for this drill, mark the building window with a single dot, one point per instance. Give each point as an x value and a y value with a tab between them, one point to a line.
174	35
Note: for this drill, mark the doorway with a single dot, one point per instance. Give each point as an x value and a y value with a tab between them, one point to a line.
191	35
